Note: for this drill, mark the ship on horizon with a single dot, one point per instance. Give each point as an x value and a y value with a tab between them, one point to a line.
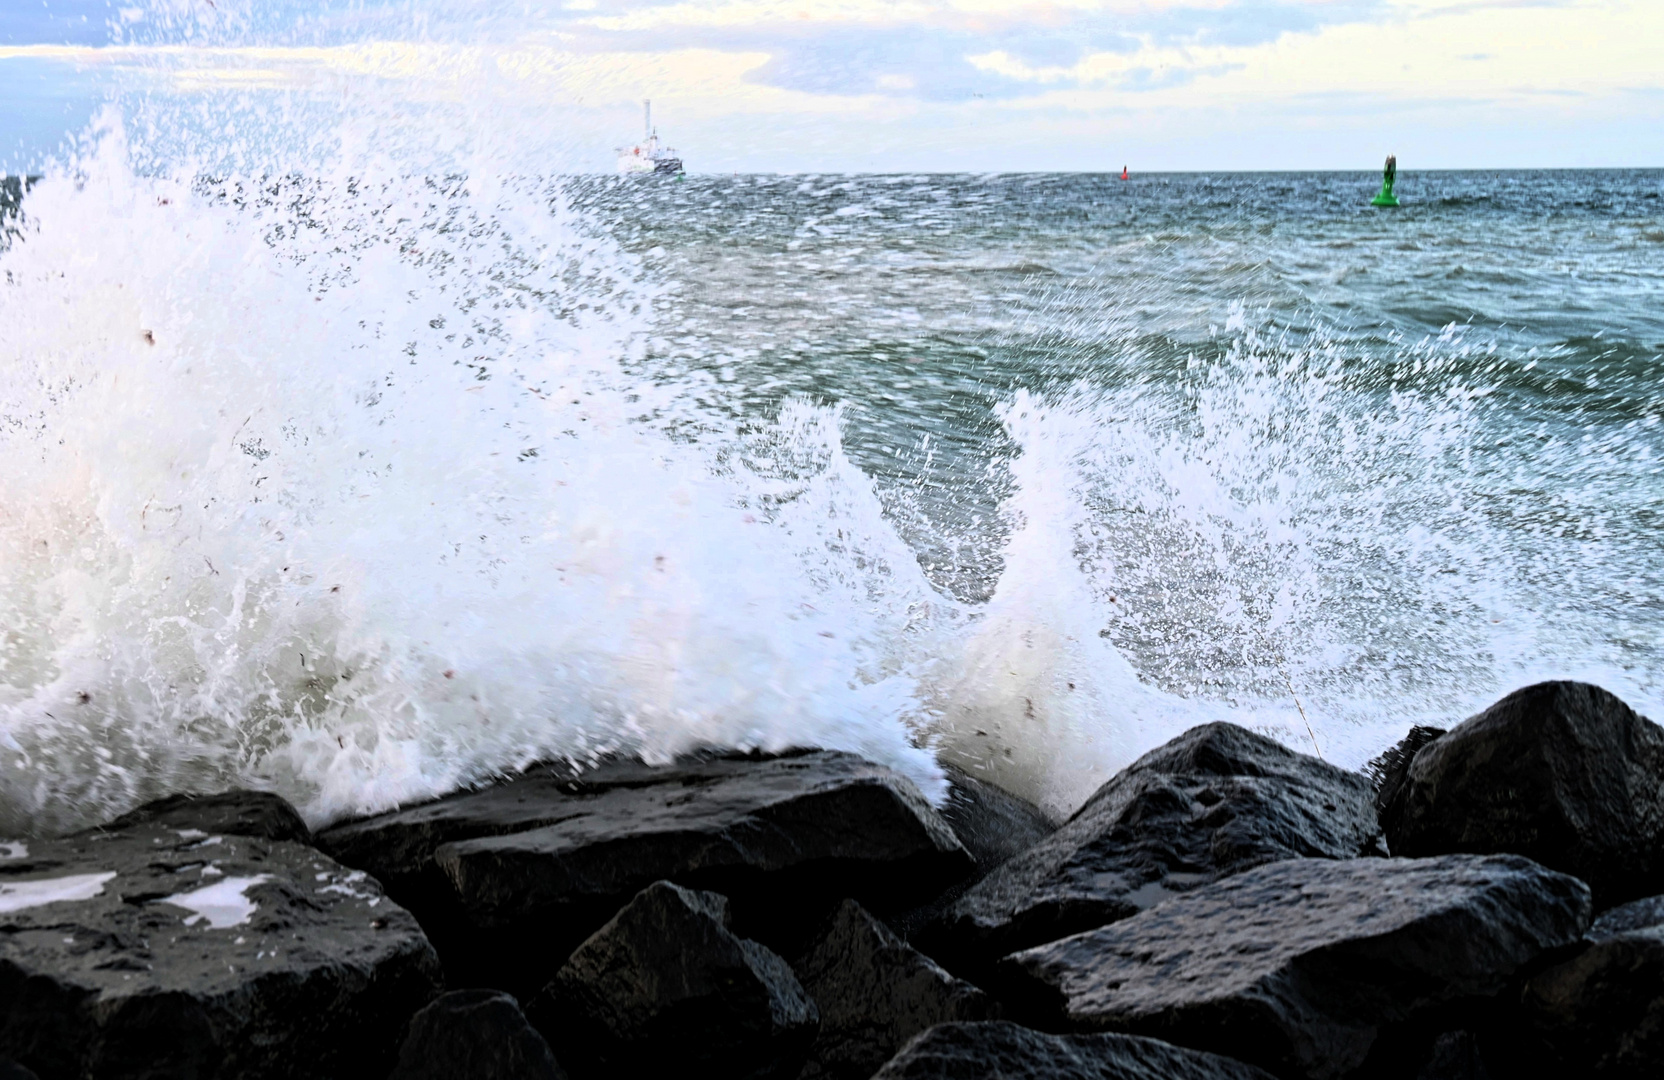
648	156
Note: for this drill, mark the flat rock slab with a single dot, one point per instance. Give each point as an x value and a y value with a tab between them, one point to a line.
1561	772
474	1035
1300	966
665	989
510	879
1005	1051
1601	1013
163	950
1214	801
875	992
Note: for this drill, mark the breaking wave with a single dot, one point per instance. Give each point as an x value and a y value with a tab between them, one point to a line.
343	479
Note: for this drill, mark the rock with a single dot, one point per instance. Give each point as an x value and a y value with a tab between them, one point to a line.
664	988
474	1035
1214	801
1389	771
1302	967
1601	1013
1454	1055
510	879
1004	1051
154	951
875	992
1560	772
11	1070
992	823
234	813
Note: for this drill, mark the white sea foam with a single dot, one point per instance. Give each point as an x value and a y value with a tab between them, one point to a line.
18	895
221	905
366	537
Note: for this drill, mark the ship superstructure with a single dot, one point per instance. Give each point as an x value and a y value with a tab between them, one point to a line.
649	155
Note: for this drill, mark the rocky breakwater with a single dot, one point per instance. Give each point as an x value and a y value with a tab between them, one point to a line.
509	880
1214	801
1311	968
1223	908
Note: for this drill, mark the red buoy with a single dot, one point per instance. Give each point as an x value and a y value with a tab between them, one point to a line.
1123	172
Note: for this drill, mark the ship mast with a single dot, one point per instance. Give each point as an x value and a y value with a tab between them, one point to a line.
646	119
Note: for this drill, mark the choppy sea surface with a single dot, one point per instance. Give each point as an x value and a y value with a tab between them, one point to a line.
368	480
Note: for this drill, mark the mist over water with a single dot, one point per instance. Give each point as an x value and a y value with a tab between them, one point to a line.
352	448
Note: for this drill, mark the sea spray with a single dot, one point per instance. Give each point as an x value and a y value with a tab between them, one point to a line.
354	447
326	506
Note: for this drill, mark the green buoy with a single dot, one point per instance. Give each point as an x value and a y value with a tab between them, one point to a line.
1388	175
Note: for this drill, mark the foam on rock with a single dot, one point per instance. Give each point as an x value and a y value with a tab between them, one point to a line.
161	949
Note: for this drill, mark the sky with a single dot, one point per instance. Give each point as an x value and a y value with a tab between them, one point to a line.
900	85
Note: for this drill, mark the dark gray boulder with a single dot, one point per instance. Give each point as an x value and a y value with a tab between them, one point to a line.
1390	771
1214	801
875	992
1304	966
1601	1013
474	1035
664	988
155	951
1646	913
508	880
1561	772
1454	1055
992	823
234	813
1005	1051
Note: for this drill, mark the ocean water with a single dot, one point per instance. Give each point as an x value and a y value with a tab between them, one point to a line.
370	469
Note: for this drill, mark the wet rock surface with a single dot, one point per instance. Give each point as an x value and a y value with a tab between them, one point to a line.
1005	1051
161	951
642	913
474	1035
234	813
1453	1055
875	992
993	824
1304	966
1601	1013
1214	801
1562	772
510	879
665	988
1390	771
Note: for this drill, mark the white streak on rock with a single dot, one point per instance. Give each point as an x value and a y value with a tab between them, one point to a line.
13	849
345	886
222	904
17	895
